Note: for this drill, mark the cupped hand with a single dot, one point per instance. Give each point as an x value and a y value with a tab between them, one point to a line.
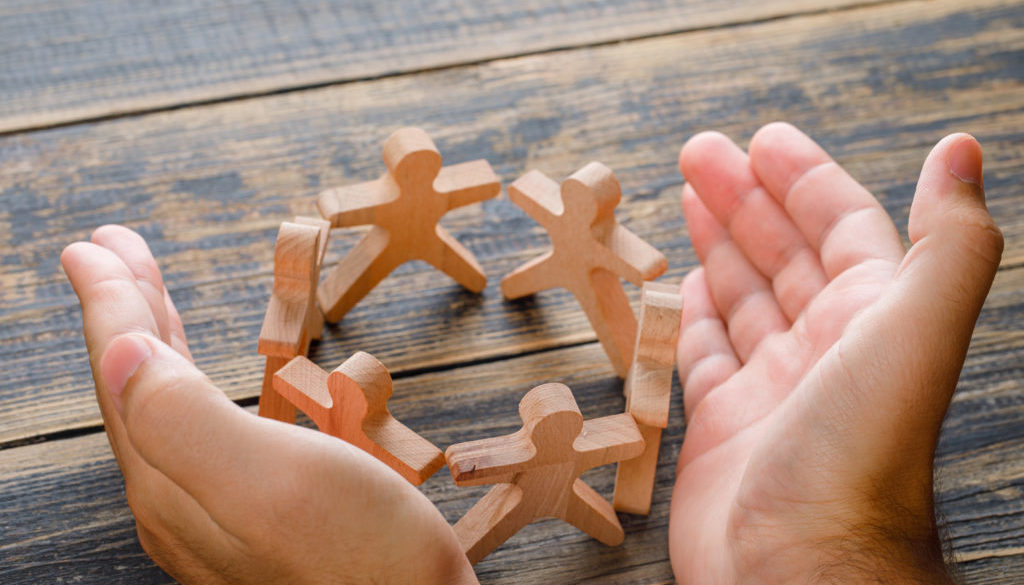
220	495
818	358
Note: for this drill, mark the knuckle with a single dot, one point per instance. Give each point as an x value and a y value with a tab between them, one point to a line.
984	239
112	289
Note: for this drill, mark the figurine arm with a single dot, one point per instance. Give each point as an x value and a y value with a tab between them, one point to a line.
632	258
304	384
467	183
491	460
412	456
608	439
356	204
538	196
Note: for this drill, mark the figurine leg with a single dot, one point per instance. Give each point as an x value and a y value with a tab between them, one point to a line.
316	325
634	478
607	307
456	261
534	276
491	521
592	514
272	404
355	276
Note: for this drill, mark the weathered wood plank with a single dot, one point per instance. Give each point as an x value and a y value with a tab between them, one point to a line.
68	60
208	186
65	519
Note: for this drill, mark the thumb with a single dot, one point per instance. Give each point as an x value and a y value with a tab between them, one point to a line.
956	243
910	346
877	399
182	424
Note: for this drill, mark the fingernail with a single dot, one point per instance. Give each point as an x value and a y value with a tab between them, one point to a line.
123	357
965	161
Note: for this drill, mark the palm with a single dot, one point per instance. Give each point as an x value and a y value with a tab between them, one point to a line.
792	251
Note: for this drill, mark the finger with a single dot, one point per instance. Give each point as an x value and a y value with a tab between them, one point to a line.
948	271
741	294
837	216
705	356
720	173
111	305
178	339
957	245
134	252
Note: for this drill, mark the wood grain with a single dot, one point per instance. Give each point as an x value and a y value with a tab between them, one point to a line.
209	186
71	60
65	518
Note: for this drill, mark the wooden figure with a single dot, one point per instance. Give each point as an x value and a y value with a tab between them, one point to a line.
590	252
648	391
351	403
293	319
404	206
537	471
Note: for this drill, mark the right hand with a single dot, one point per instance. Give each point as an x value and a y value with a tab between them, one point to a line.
818	358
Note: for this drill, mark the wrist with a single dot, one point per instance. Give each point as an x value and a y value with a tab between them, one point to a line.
859	546
889	555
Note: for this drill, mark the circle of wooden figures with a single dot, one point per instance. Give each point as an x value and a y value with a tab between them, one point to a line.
535	471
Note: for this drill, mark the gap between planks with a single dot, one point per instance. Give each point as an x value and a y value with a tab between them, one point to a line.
181	99
252	401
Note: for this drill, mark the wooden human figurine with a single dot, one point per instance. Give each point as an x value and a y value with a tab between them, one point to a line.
351	403
648	390
404	206
590	252
293	319
537	471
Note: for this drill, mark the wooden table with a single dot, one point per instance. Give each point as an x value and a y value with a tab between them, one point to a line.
204	127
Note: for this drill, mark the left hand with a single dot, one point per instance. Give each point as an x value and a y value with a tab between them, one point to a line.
220	495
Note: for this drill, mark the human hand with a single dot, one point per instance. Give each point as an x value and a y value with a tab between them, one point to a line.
220	495
818	359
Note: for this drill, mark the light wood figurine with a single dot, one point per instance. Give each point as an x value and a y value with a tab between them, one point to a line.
293	319
590	252
404	206
648	391
351	403
537	471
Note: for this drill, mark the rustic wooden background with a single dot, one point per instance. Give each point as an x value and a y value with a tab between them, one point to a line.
203	125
